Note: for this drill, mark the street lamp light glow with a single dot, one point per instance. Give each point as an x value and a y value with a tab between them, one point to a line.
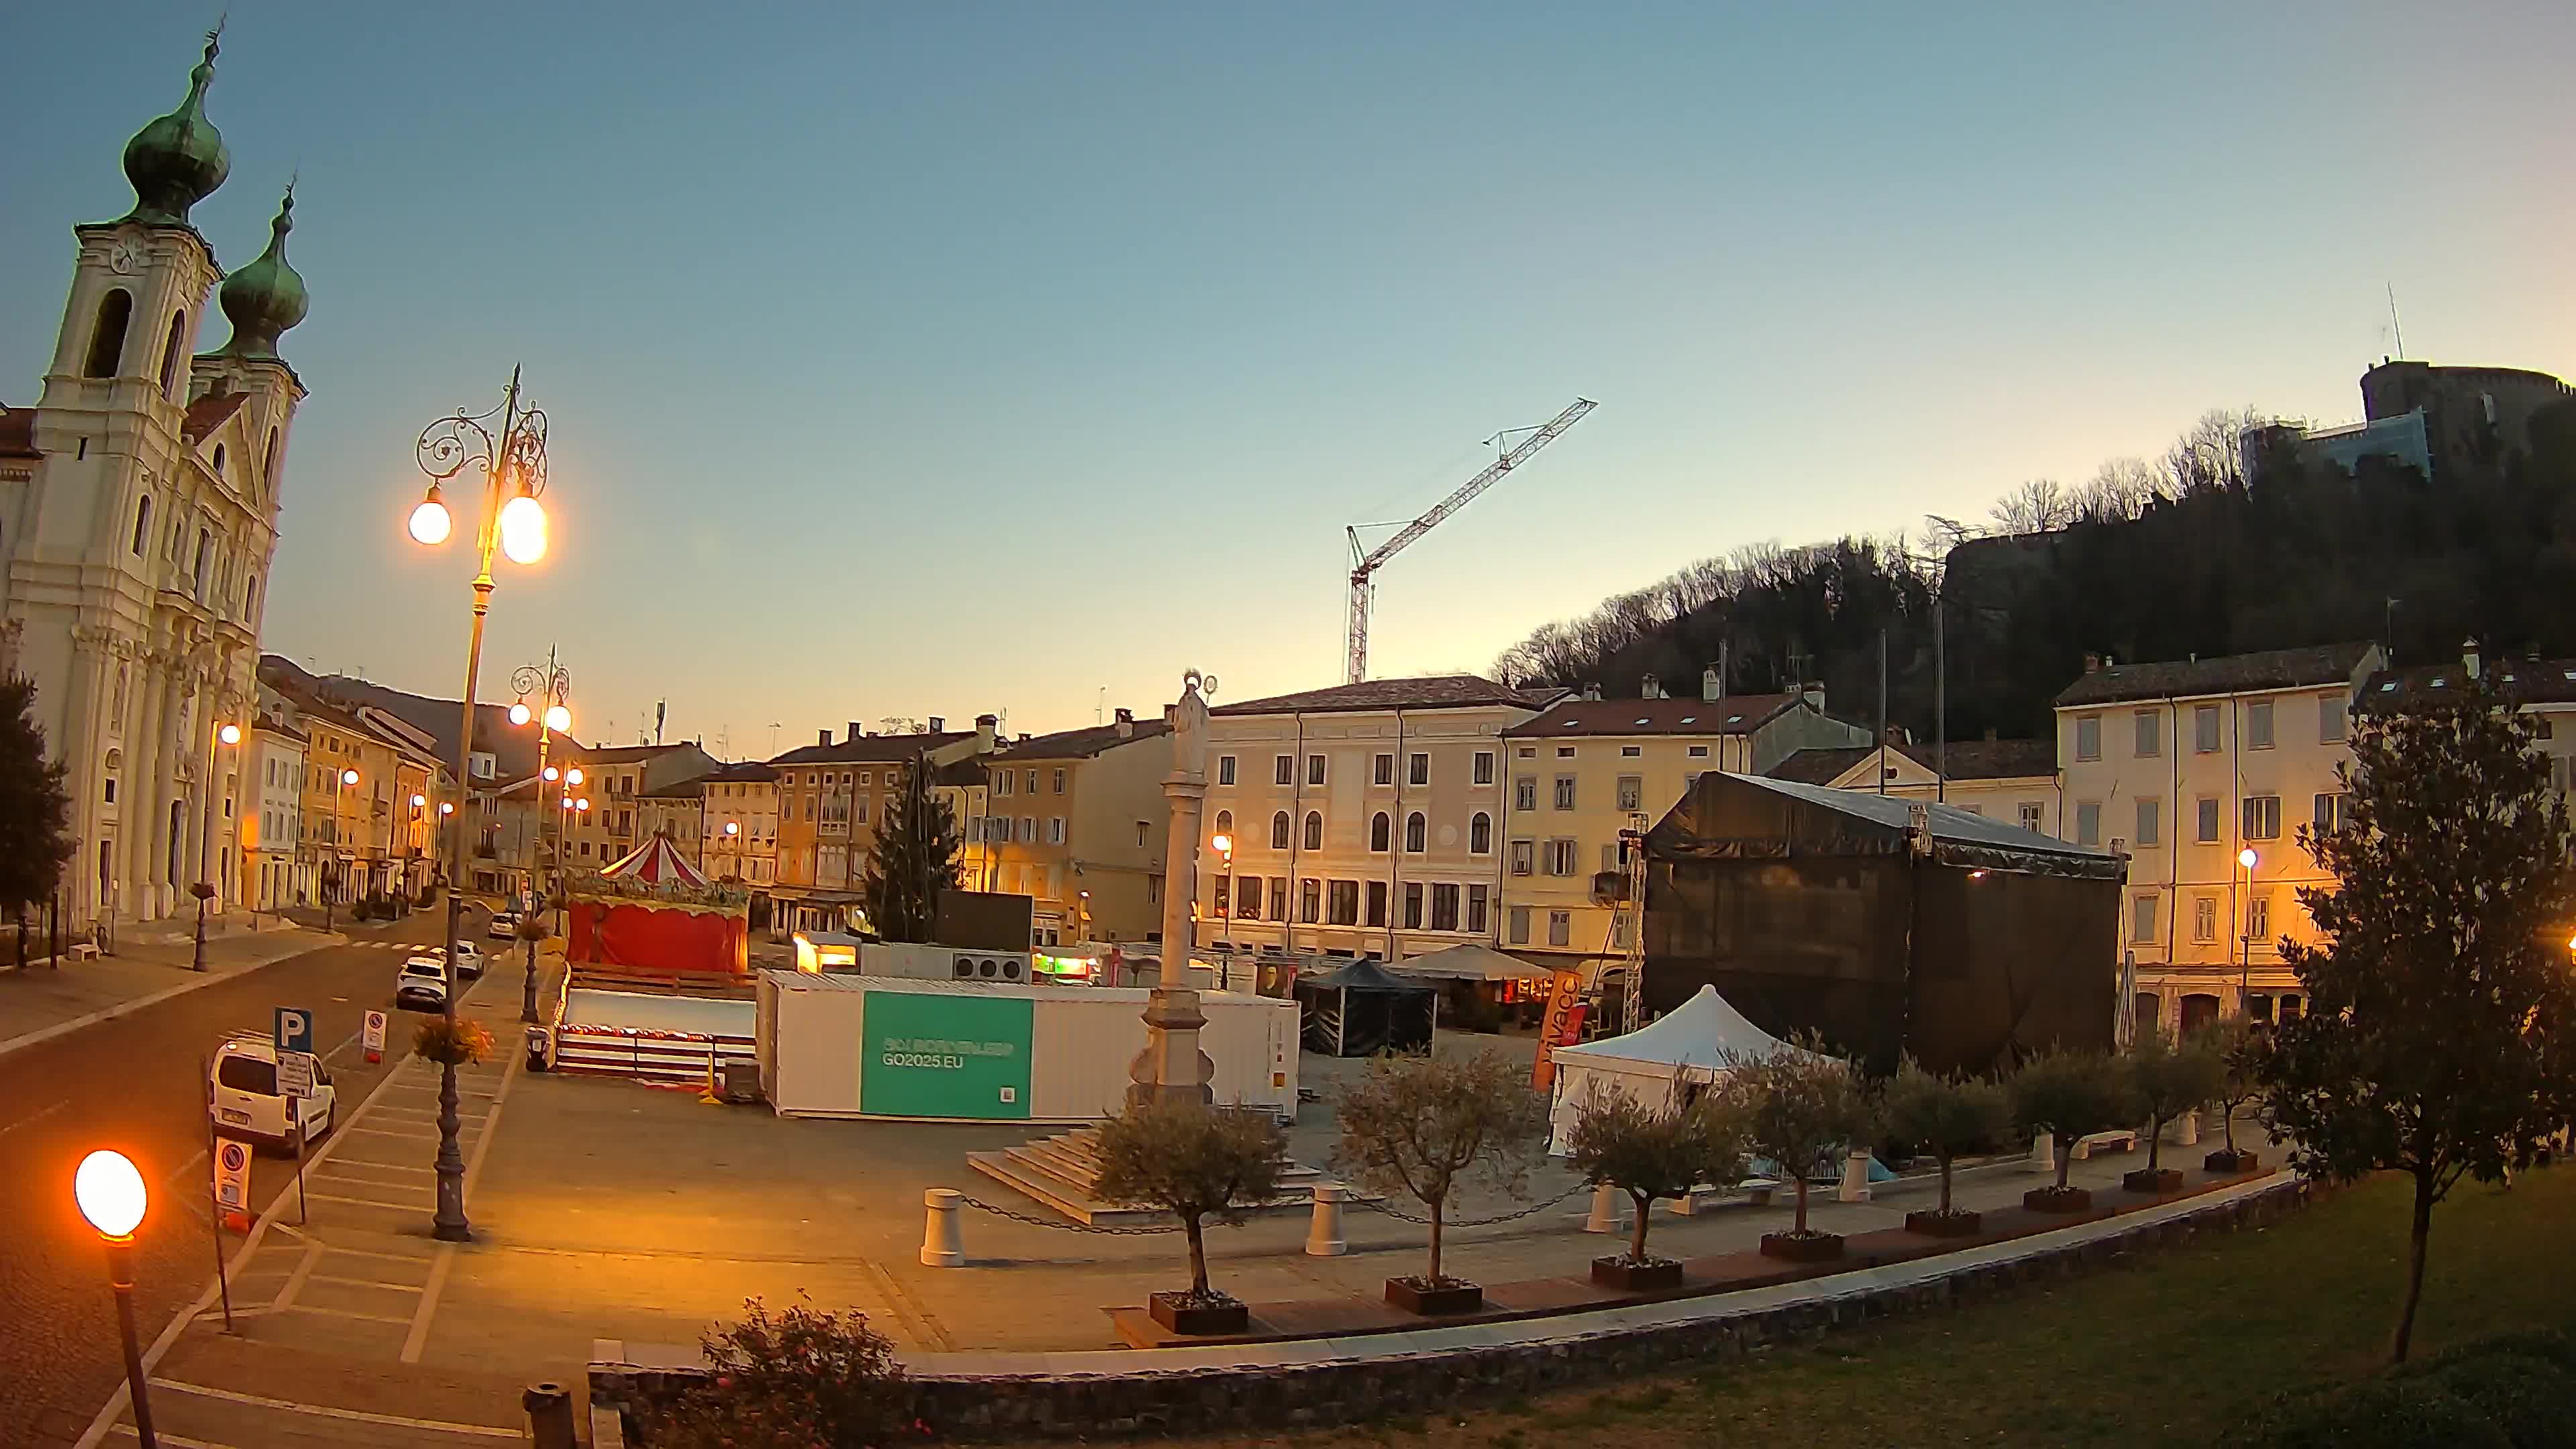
110	1193
2245	857
567	802
418	801
348	777
429	522
519	713
558	719
733	827
573	775
229	734
1224	844
582	804
446	807
553	774
523	529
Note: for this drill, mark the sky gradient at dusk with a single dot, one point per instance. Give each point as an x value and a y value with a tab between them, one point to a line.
934	360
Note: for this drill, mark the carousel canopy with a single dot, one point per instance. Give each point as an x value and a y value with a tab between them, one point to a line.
654	863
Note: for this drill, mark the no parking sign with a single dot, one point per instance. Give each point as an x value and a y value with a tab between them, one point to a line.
232	1183
375	1036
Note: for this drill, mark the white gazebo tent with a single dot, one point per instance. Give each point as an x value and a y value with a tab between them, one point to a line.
1691	1044
1469	962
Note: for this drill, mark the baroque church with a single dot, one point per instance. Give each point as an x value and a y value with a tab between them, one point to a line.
140	498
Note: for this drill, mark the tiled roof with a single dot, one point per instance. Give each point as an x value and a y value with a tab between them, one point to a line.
741	772
683	790
630	754
871	749
1965	759
513	747
1083	743
2525	681
967	772
209	412
1734	715
18	433
1820	767
2225	674
1438	691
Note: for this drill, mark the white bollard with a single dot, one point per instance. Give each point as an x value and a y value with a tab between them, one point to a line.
2043	1154
1324	1231
941	1246
1605	1210
2188	1134
1855	1183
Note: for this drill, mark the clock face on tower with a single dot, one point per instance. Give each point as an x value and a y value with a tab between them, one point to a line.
126	256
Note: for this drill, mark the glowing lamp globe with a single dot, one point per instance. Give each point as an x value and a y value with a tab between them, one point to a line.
733	828
558	719
2245	857
573	775
1224	844
582	804
418	801
553	774
523	529
110	1193
348	777
430	523
446	807
229	734
519	713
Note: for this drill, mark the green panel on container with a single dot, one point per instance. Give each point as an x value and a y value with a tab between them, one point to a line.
932	1054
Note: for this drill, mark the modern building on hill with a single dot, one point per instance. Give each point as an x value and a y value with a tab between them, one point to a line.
1367	819
2014	781
2189	768
139	505
1586	768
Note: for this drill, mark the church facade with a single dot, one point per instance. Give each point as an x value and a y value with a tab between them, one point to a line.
140	502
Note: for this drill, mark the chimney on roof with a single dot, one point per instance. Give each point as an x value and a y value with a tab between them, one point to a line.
1592	691
1126	723
858	733
1650	688
939	724
1814	693
2469	657
2092	663
823	736
1711	687
1024	737
985	725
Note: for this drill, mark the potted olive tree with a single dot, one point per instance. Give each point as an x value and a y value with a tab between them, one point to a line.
1653	1152
2240	1051
1195	1162
2168	1079
1798	1105
1946	1117
2069	1095
1423	1126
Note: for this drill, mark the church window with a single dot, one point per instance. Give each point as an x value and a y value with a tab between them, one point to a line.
250	600
142	523
219	460
107	337
170	355
268	462
205	550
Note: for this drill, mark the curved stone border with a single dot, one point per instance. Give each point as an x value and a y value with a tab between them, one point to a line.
1321	1382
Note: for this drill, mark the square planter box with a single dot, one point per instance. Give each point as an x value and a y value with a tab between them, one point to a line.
2057	1200
2231	1163
1617	1272
2157	1181
1813	1248
1414	1295
1957	1223
1187	1313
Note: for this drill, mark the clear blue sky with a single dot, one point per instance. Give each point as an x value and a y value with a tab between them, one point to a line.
934	359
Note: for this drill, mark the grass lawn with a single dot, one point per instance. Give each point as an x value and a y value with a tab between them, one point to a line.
2174	1349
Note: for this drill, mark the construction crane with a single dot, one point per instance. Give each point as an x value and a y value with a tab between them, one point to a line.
1365	564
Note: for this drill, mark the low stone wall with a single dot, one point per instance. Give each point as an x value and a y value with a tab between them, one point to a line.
1414	1381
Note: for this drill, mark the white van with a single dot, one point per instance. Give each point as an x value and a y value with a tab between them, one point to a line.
242	1094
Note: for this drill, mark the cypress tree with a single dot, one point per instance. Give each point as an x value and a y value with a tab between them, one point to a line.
35	842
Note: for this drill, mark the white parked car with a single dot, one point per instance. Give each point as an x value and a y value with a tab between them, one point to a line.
505	926
469	961
421	985
242	1093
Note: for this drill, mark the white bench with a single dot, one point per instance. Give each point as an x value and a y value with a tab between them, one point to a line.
1706	1197
2127	1140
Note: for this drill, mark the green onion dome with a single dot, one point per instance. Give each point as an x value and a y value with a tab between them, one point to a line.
178	160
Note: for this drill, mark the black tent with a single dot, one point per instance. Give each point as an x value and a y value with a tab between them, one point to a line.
1362	1010
1888	925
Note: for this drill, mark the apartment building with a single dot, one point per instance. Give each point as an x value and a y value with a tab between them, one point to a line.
615	780
831	798
360	828
1367	819
739	825
1586	768
1077	821
678	811
2192	768
274	872
2014	781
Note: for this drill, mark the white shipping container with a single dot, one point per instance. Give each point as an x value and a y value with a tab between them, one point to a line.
814	1048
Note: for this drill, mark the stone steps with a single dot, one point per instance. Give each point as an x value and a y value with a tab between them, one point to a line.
1063	1173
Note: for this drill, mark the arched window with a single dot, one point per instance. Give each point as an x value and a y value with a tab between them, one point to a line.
1414	829
107	334
1279	831
142	524
1379	829
1225	823
205	551
250	597
1480	834
268	463
1314	830
219	460
170	355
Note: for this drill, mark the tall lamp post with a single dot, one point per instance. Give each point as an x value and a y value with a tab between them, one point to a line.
330	866
2245	939
111	1196
514	475
552	685
1224	844
205	890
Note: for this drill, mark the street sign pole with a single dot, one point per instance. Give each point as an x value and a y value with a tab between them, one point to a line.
294	1116
214	1164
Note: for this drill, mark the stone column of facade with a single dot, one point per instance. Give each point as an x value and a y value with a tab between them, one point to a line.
1171	1067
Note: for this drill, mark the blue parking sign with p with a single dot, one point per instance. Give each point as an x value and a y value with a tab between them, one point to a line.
294	1029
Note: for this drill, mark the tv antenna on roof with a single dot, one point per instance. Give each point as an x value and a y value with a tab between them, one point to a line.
2396	331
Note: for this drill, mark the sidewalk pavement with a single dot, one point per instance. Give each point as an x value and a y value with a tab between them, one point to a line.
39	1003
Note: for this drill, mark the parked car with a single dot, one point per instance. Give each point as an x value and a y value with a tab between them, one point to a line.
469	961
241	1092
421	985
505	926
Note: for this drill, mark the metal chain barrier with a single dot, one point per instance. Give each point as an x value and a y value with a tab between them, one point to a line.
1038	1222
1382	1206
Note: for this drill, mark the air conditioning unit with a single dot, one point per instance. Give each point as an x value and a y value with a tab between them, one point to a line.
944	963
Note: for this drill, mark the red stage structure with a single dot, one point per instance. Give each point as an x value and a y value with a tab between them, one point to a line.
650	912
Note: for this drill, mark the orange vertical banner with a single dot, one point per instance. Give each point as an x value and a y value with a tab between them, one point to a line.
1554	1027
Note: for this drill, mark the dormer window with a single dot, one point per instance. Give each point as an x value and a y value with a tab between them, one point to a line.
219	460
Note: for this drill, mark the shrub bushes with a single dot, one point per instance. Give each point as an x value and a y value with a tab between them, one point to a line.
2509	1391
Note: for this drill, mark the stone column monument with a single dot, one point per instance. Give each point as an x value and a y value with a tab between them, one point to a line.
1171	1067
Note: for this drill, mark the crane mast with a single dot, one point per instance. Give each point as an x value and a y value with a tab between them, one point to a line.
1364	565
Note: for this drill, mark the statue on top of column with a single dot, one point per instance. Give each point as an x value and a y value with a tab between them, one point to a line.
1190	724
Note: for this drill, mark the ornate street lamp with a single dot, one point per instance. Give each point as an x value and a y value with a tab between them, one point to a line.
514	477
552	685
110	1194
